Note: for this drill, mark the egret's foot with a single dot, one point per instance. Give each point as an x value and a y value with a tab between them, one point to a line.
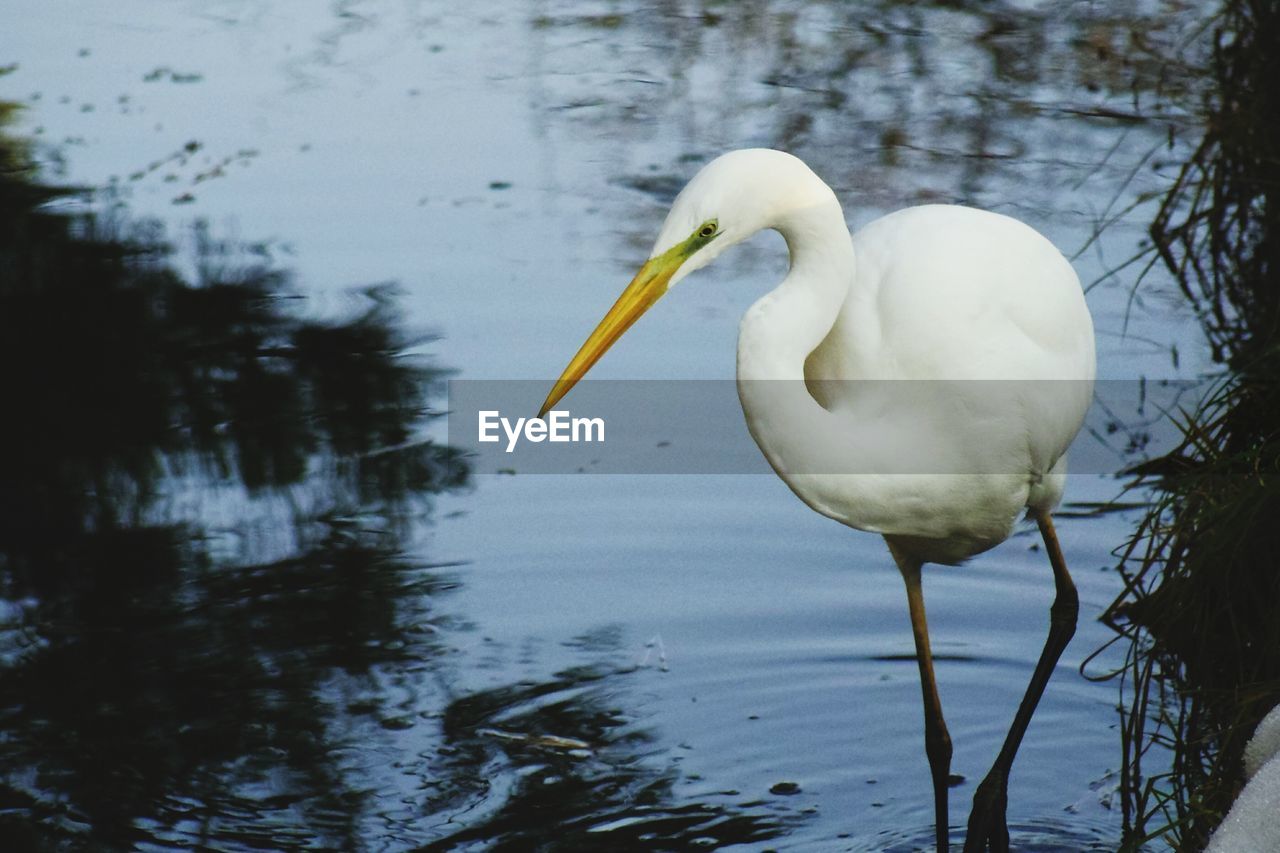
987	827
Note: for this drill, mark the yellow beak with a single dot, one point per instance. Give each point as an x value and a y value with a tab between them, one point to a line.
645	289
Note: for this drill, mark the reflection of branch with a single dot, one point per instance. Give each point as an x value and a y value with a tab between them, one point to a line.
1104	112
816	89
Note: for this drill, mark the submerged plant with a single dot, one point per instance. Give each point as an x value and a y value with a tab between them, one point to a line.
1202	596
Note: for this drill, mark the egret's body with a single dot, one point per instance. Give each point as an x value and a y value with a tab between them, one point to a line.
938	293
980	306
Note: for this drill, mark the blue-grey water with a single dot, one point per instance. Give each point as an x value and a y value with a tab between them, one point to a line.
620	660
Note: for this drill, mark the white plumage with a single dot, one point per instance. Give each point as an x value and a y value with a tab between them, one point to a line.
978	305
921	379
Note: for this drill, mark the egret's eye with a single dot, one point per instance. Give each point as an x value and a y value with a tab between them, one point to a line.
708	230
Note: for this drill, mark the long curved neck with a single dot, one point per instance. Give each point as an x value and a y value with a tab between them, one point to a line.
780	330
806	444
861	462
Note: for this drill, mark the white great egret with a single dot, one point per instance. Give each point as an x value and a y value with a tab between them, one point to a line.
941	470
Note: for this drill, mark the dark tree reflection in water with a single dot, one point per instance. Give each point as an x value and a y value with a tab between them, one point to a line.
212	630
166	675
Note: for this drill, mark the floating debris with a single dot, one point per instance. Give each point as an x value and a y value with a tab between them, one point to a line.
567	745
396	724
164	72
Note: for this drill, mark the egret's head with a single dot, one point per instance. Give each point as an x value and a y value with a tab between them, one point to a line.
730	199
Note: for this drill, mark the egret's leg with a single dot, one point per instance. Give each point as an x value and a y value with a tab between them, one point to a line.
937	742
987	825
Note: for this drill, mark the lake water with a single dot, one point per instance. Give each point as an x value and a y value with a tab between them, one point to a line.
608	661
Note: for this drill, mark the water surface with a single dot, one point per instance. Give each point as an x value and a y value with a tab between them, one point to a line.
593	661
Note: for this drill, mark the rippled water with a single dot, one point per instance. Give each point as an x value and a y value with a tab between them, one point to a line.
594	661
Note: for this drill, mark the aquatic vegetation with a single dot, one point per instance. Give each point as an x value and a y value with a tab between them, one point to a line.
1202	588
